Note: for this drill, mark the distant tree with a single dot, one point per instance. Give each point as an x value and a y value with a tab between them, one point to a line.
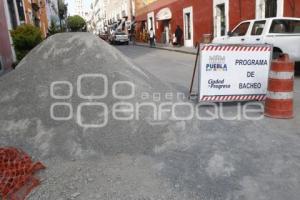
76	23
25	38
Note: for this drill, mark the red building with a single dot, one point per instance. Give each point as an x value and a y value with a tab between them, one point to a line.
6	54
228	13
196	18
193	17
11	16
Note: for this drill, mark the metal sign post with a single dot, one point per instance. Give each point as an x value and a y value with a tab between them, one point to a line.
194	71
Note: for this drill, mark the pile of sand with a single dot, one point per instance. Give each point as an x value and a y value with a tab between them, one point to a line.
25	97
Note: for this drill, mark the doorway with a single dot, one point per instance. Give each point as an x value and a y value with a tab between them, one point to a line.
271	8
12	12
166	32
188	27
221	17
150	21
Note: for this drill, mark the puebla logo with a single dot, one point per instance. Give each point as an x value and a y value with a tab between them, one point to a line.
216	63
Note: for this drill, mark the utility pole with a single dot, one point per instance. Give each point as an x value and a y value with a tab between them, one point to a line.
59	13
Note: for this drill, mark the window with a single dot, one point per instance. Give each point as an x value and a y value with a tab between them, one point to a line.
188	26
285	26
188	34
151	22
258	27
1	65
20	10
36	21
222	19
241	30
12	13
270	8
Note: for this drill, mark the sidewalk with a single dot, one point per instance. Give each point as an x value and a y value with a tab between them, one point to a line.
182	49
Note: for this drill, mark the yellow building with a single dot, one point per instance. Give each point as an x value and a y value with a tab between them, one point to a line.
36	14
142	3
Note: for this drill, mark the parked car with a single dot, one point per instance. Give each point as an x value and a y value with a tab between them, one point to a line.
103	36
282	33
119	38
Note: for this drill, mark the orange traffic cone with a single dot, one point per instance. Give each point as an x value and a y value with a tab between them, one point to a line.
279	103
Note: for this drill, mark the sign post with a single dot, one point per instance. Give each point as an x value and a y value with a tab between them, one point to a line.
230	73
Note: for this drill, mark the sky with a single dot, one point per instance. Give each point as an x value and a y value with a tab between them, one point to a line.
71	5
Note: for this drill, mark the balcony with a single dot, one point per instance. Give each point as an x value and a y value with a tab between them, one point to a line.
35	5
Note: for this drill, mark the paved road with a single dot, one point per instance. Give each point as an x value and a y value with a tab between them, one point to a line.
171	67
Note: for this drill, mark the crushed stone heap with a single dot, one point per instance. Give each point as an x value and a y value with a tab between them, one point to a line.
59	63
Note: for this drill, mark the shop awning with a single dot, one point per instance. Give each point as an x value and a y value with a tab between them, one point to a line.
164	14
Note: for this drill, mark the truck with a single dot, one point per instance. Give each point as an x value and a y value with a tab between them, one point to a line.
283	33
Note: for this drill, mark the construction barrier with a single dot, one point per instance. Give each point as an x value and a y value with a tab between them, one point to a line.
17	174
279	102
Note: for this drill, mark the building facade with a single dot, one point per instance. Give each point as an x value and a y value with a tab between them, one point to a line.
11	16
163	16
99	15
14	13
228	13
6	54
79	10
118	14
52	11
108	15
196	18
36	14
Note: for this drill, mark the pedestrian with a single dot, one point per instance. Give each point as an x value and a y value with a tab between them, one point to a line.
174	40
178	35
152	38
170	38
133	36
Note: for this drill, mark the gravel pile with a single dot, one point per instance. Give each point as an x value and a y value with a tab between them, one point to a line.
26	100
83	163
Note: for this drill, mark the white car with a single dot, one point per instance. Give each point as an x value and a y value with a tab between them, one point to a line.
282	33
119	38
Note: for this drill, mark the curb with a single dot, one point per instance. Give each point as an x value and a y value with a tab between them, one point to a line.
167	49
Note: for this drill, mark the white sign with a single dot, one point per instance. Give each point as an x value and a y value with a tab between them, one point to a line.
234	72
164	14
